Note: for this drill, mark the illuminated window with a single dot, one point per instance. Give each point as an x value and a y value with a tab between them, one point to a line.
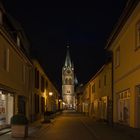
117	57
138	35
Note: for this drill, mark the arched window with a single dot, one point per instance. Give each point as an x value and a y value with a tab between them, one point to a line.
66	81
70	81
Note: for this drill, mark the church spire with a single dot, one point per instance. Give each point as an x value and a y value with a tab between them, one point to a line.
68	60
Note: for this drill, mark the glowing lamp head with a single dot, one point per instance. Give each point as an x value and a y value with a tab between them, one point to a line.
50	93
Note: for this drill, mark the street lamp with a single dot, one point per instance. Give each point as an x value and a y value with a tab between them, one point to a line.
50	101
50	93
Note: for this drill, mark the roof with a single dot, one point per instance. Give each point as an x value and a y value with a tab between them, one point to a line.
129	8
68	60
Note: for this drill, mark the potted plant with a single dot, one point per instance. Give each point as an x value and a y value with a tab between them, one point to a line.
19	126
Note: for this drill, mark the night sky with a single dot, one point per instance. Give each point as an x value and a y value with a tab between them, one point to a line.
50	30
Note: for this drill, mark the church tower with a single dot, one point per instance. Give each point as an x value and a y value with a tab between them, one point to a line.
68	82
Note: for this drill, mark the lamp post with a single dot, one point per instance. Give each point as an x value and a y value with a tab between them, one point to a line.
50	94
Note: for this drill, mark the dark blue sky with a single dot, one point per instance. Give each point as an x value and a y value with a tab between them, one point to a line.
50	30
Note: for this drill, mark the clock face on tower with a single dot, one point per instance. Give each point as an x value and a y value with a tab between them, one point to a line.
68	71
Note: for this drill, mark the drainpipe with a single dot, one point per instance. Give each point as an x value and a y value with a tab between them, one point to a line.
112	91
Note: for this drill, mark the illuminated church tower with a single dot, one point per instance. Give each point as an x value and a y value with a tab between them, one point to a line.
68	82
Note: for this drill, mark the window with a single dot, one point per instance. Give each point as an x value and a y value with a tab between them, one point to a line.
138	35
70	81
68	91
42	83
36	78
117	57
93	88
66	81
1	17
6	59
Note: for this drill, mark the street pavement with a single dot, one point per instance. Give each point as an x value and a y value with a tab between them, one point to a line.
74	126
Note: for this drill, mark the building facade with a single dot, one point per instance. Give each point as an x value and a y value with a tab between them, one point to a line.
45	96
97	95
68	81
15	69
124	42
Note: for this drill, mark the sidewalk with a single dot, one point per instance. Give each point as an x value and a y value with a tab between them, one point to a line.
34	127
115	132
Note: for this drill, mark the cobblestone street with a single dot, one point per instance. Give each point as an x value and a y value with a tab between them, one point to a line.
71	125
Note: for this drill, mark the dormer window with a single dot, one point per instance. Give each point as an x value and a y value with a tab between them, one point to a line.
1	17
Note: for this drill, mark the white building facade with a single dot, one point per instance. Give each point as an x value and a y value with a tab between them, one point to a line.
68	79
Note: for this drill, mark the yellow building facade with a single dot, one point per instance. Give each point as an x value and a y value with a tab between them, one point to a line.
15	70
125	45
97	96
45	96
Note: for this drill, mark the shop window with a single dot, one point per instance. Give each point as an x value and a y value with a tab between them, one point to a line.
124	107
